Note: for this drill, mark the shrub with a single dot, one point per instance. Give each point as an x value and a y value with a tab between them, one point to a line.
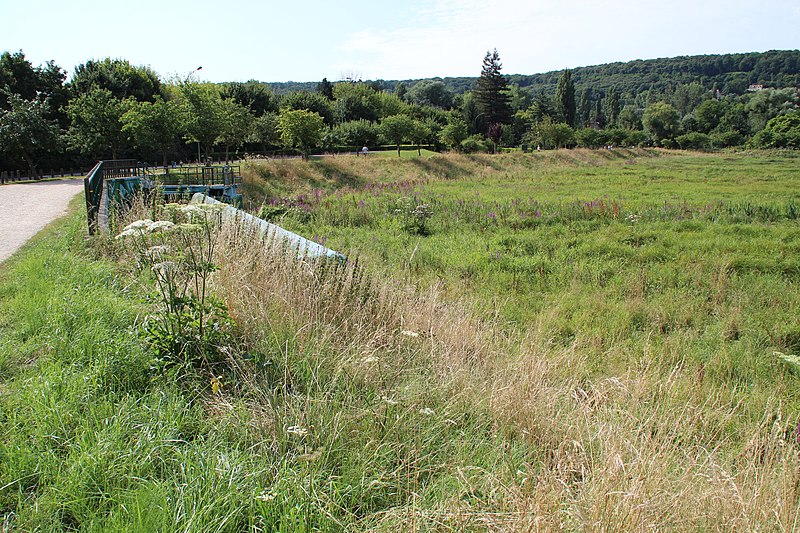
473	144
694	141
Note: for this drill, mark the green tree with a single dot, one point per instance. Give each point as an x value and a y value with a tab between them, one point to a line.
630	117
265	131
491	92
314	102
430	93
396	129
421	133
325	88
237	126
96	127
551	134
454	132
661	120
782	131
300	129
203	114
355	101
355	133
117	76
26	131
565	97
152	125
584	107
709	114
613	107
390	105
769	103
254	95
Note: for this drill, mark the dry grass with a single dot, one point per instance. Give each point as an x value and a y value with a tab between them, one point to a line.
650	449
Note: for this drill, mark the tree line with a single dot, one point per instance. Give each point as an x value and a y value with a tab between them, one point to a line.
112	109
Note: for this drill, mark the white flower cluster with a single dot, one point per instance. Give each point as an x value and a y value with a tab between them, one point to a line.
141	227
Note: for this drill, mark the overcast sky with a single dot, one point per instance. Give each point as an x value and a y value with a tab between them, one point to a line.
304	40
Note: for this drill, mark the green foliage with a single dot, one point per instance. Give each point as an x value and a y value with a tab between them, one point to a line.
356	101
237	125
565	98
203	114
355	133
26	131
474	144
782	131
454	132
309	101
96	127
430	93
413	215
694	141
265	131
153	125
397	129
253	95
549	134
190	330
491	91
660	120
300	129
118	77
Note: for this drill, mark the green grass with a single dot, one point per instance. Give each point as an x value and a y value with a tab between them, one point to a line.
593	355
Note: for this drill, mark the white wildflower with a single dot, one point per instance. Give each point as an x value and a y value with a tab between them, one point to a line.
297	430
389	400
165	267
144	224
266	496
369	359
427	411
126	233
162	225
158	251
407	333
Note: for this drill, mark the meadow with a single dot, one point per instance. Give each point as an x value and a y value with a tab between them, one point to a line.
579	340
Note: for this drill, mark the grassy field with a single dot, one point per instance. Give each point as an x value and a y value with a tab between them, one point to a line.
563	340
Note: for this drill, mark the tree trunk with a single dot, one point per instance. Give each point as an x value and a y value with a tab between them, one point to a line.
398	149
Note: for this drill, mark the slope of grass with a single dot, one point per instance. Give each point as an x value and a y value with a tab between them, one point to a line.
575	369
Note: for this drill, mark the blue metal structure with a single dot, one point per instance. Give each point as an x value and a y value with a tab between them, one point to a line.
113	182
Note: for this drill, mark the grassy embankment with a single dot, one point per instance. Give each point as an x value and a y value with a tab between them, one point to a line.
560	364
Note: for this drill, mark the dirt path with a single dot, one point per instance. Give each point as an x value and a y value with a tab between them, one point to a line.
25	208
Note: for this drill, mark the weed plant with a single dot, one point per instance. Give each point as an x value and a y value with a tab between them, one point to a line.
611	369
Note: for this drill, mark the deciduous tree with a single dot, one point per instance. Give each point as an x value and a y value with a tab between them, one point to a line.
152	125
661	120
96	127
396	129
26	131
300	129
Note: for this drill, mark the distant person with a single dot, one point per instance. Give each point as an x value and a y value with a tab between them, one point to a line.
365	151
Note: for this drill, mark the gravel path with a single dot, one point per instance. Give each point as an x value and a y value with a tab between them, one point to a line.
26	208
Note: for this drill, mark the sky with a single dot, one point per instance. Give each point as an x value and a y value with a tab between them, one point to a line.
301	40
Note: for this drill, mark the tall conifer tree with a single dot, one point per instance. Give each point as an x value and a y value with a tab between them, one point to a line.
491	92
565	97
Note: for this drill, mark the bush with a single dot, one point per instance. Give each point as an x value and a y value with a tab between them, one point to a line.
726	139
694	141
473	144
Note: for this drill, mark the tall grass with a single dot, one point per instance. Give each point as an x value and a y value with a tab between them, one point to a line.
640	394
